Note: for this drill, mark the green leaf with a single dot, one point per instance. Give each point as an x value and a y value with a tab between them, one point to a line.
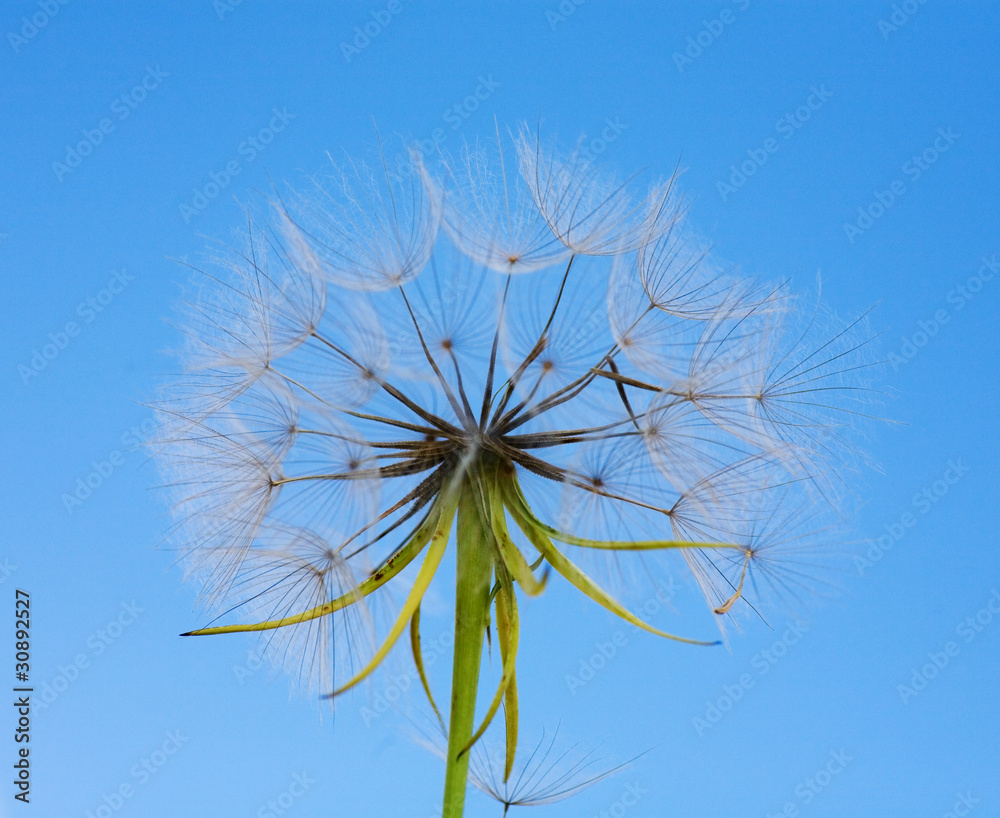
390	567
526	521
505	626
434	553
513	560
615	545
418	660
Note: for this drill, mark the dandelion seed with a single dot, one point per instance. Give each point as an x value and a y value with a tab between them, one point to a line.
366	228
557	378
587	209
489	212
289	571
548	773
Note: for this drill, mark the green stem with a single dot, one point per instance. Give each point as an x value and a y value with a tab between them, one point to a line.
472	603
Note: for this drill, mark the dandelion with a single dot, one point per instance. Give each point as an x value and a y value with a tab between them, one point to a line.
545	773
513	356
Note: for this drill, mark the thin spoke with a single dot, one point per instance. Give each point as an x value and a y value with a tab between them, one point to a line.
488	392
536	350
418	410
465	413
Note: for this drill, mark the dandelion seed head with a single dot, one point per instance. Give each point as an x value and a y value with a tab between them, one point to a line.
514	311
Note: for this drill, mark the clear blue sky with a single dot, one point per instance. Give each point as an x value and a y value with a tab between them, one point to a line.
896	116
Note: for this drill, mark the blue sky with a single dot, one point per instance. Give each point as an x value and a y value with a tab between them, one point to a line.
857	140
